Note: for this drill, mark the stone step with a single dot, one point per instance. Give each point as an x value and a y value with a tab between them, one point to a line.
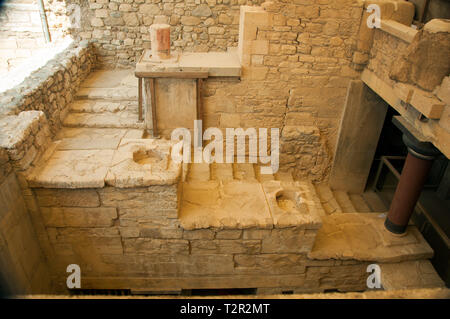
313	196
327	199
121	119
198	172
363	237
221	171
244	172
94	138
108	94
359	203
374	201
344	202
410	275
97	106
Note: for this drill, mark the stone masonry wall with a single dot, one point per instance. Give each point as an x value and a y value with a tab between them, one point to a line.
22	261
296	67
25	140
51	88
131	238
386	54
120	29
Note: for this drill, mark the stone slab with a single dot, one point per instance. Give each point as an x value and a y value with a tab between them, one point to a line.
232	204
410	275
72	169
363	237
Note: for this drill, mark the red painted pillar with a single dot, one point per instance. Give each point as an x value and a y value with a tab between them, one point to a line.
414	174
160	41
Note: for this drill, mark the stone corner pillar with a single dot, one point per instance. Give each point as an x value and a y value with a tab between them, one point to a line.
415	171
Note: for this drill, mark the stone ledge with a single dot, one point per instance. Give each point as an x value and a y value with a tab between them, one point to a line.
363	237
218	64
398	30
128	166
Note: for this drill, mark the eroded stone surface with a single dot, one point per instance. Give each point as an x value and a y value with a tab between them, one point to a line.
233	204
72	169
363	237
143	162
290	205
410	275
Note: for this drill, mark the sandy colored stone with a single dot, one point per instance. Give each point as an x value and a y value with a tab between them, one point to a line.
363	237
290	206
72	169
234	204
143	162
410	275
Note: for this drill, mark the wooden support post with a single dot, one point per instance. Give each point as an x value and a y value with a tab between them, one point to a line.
153	95
140	99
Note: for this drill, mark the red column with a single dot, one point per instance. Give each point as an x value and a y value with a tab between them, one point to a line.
415	171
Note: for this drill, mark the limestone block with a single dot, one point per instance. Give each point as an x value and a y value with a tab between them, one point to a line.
363	237
222	246
72	169
143	162
149	246
67	198
422	64
290	206
287	240
270	264
234	204
78	217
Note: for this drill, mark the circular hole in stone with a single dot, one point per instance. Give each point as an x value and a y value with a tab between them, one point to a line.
143	157
288	201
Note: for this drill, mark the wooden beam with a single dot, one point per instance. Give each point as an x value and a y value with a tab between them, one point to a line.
140	99
175	74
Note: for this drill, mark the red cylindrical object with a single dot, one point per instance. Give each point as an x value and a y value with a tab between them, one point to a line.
412	179
160	40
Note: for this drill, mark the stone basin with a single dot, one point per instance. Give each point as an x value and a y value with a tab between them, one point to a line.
291	205
143	162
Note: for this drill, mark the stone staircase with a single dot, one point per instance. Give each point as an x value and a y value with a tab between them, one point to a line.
107	99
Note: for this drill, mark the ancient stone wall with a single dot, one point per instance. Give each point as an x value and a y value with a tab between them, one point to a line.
295	70
131	238
387	67
23	264
51	88
25	140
